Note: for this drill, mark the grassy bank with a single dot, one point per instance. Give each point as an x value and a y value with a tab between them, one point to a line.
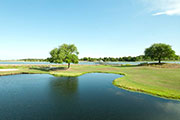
157	80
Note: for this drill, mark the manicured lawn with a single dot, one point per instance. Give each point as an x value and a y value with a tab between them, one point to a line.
164	82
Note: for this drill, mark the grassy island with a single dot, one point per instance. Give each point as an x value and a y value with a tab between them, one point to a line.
160	80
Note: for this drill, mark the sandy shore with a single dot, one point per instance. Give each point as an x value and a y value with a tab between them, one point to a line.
8	70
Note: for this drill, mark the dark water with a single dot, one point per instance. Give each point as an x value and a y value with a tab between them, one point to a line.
88	97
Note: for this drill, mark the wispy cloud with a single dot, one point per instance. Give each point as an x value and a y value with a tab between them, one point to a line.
163	7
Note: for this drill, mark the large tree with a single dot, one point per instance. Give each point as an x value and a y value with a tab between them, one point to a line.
64	53
159	52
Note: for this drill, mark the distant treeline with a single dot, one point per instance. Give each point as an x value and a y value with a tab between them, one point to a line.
129	59
106	59
33	60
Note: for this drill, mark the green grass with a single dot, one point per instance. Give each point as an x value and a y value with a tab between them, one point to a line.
163	82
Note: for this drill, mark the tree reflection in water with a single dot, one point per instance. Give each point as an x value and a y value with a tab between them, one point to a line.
66	86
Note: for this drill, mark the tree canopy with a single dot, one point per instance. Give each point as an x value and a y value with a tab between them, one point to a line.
159	52
64	53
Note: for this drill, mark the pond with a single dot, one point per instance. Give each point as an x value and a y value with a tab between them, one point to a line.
88	97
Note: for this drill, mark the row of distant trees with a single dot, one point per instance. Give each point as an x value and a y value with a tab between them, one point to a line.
110	59
128	59
33	60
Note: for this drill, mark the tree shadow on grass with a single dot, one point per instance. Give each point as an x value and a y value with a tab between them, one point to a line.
58	68
125	65
144	64
47	69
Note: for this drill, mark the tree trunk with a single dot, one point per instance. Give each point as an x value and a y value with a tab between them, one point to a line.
159	60
68	65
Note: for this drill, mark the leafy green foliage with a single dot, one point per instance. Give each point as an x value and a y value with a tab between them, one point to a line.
32	60
159	52
128	59
64	53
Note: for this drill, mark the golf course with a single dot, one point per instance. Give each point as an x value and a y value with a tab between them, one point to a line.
89	60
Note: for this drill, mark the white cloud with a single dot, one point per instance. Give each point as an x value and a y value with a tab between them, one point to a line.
163	7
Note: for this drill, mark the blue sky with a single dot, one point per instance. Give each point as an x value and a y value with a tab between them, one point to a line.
99	28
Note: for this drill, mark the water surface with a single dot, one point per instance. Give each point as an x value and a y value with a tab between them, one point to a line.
88	97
